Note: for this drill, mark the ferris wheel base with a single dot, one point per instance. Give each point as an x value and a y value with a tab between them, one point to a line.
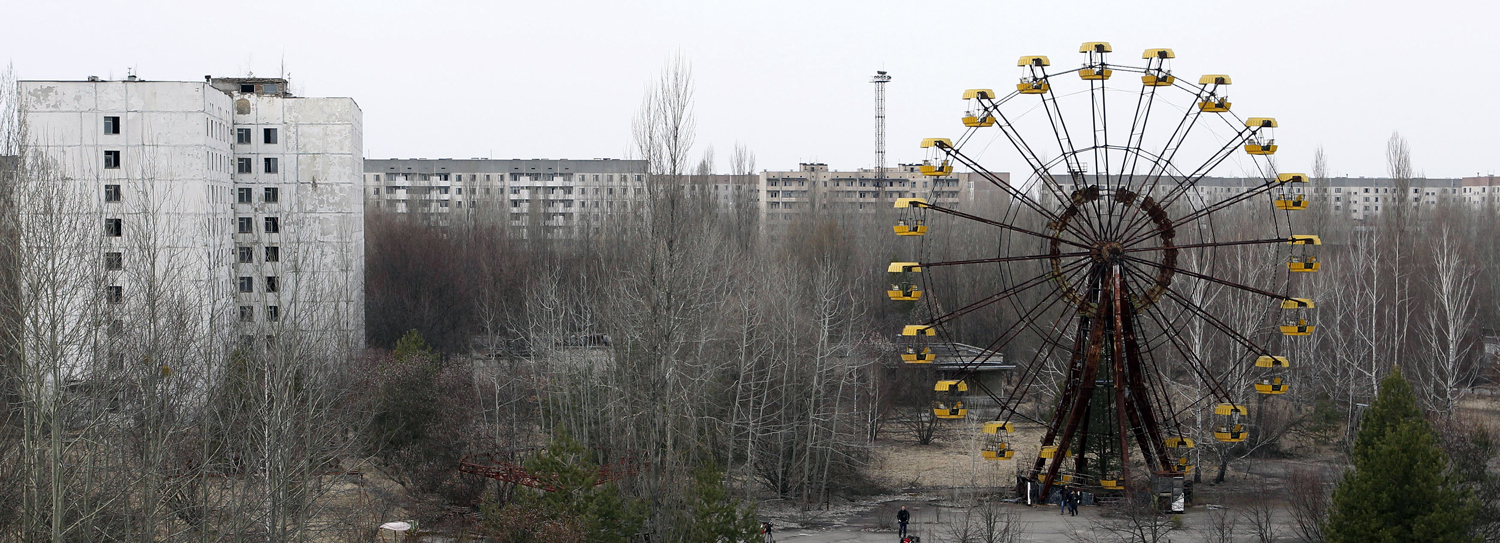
1171	492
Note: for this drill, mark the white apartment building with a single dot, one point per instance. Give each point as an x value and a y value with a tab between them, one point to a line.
1359	197
555	198
812	187
250	191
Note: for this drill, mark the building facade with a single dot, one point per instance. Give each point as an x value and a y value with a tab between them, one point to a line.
813	188
554	198
233	186
1358	197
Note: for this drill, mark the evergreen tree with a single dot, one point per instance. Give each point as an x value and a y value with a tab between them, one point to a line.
574	507
1400	488
717	518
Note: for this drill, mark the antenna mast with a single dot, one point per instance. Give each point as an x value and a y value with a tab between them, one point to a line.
880	80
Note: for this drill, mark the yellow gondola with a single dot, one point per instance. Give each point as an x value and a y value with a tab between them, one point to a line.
1298	326
916	228
936	164
1303	264
1032	83
1304	239
1051	451
1271	385
918	330
904	292
913	356
1033	86
1217	105
1095	70
1230	430
1159	76
1111	484
1291	178
949	403
1291	204
1231	433
1263	141
1268	361
995	447
978	116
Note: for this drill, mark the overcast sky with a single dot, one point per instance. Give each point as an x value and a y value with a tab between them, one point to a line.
559	79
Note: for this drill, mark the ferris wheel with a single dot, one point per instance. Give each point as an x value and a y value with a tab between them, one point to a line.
1105	254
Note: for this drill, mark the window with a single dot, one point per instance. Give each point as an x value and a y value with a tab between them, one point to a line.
271	165
112	227
269	137
247	284
272	195
244	165
270	88
111	193
111	159
247	314
272	225
242	136
273	254
247	88
273	313
246	254
243	195
272	285
111	125
114	294
246	225
114	261
460	190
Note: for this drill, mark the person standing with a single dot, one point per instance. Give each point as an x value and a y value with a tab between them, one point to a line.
902	517
1063	499
1073	500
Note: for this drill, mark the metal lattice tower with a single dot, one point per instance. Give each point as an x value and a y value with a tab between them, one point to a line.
880	80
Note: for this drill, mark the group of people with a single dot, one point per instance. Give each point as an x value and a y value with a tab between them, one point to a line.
1067	501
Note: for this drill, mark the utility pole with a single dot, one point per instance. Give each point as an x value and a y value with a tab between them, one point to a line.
880	80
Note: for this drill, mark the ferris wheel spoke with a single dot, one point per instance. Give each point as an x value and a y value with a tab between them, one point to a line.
1193	361
1191	180
1233	144
1210	278
991	222
1004	259
1209	318
1012	291
1253	192
1012	192
1163	159
1030	155
1206	245
1067	152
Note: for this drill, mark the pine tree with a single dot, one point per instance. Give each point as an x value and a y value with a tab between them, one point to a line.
575	507
1400	488
717	518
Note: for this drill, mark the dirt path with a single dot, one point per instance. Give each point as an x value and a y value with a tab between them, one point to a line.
934	520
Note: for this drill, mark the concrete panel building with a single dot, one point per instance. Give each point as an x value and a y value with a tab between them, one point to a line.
556	198
1359	197
246	191
812	187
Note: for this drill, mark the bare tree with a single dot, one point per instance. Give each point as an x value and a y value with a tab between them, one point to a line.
1450	322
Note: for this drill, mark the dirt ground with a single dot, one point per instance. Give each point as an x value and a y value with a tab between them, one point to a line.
940	482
